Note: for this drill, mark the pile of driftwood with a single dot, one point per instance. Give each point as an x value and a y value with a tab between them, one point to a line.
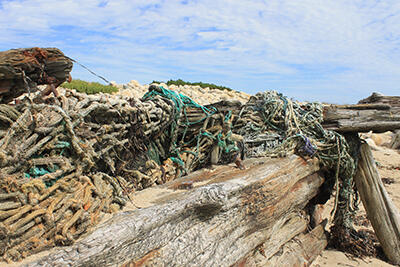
67	159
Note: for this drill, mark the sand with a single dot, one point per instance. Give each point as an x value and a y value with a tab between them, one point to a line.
388	162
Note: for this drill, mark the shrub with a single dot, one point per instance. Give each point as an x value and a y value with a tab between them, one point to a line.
89	87
201	84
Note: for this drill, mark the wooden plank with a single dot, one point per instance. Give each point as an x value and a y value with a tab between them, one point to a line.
382	213
283	231
224	215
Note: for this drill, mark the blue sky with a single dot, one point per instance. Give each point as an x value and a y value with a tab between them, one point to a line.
336	51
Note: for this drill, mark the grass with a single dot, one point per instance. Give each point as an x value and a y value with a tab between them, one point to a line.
89	87
201	84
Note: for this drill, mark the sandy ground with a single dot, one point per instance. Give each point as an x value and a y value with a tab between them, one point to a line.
388	162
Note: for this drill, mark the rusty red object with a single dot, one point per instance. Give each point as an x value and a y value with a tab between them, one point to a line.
21	70
184	185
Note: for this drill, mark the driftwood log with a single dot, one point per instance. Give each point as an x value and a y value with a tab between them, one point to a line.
377	113
393	101
300	251
362	118
21	70
381	211
209	218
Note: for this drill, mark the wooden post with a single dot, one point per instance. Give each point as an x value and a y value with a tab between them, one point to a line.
382	213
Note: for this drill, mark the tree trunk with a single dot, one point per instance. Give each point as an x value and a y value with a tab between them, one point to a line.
209	218
382	213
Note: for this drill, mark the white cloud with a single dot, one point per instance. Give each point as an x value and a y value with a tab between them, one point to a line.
334	45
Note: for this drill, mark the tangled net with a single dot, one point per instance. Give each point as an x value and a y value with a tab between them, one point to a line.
273	125
66	161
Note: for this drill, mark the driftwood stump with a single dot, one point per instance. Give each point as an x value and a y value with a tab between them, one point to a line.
382	213
21	70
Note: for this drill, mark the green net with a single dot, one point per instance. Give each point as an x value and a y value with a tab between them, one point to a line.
275	126
180	141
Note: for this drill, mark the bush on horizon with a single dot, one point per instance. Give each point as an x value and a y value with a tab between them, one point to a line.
201	84
89	87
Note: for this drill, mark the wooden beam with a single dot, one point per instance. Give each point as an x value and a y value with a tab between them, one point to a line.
223	215
381	211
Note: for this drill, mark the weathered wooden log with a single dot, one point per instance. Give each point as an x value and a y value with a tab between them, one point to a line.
301	250
209	218
382	213
376	113
21	70
361	118
393	101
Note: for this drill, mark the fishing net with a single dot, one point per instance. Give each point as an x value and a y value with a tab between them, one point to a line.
66	161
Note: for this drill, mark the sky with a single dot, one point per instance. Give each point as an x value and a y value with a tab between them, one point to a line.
335	51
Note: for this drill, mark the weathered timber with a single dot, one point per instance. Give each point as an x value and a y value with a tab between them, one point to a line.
301	250
21	70
361	118
382	213
377	113
208	218
377	98
284	230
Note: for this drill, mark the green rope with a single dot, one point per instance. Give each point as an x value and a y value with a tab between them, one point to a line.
299	129
181	104
36	172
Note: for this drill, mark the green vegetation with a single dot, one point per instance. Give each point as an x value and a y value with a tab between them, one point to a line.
201	84
89	87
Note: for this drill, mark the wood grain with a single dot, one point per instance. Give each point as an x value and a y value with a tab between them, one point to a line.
225	216
382	213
